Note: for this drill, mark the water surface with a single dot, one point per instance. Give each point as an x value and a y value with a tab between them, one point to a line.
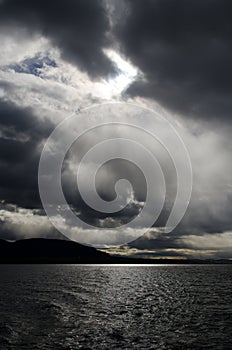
70	307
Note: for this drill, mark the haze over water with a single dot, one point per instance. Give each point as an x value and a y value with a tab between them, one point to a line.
68	307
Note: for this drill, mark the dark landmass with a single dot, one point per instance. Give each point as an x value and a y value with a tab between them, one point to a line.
54	251
38	250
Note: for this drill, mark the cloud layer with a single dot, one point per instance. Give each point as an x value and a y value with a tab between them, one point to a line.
55	61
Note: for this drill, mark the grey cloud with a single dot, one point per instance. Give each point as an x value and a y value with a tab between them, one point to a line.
21	140
22	134
78	28
19	223
184	50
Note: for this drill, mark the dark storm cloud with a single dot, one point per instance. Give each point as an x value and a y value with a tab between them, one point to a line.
16	121
106	178
20	143
154	240
78	28
22	135
184	49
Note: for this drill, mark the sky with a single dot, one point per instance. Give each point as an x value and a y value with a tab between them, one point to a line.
170	56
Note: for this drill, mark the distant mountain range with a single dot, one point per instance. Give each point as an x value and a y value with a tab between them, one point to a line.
56	251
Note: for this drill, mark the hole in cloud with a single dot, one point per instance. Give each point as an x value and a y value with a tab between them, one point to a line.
127	73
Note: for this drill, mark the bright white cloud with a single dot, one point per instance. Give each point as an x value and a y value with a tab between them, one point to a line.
208	241
19	223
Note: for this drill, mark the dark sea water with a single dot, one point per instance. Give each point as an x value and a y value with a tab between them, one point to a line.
115	307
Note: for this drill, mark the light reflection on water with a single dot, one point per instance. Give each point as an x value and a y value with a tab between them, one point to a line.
115	307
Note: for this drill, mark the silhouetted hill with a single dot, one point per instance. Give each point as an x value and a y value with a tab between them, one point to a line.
49	250
57	251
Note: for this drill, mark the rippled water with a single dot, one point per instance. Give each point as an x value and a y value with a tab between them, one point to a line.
115	307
